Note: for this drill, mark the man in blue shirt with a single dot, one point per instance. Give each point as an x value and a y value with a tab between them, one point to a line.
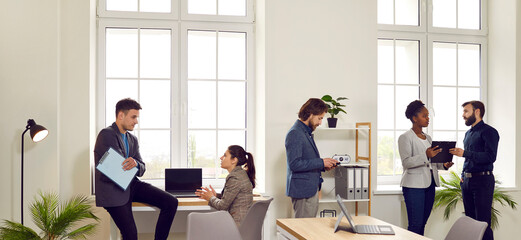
304	162
477	185
117	201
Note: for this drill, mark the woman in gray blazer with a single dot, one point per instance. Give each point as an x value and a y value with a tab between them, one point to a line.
420	176
237	194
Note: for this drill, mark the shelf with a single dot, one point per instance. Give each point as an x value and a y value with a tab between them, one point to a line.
340	129
343	200
355	165
360	163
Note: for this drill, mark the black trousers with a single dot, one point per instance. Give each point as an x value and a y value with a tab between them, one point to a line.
477	193
145	193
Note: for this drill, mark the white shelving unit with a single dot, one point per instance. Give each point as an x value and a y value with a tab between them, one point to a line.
358	160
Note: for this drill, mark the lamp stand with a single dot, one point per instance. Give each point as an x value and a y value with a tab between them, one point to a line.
22	177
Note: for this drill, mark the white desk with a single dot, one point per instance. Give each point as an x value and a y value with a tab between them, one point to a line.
185	206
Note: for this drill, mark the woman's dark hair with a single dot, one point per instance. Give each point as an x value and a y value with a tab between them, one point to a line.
313	106
127	104
244	157
413	109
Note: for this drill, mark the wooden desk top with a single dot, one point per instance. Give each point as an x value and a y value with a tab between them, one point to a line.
194	202
322	228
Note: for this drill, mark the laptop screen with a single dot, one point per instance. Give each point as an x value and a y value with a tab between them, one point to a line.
183	179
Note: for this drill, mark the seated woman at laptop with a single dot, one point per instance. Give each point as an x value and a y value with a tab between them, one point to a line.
420	176
237	194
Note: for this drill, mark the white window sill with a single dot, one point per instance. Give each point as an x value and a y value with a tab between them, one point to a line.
397	190
388	190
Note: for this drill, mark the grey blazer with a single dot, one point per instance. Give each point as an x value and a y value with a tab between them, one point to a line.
237	195
416	171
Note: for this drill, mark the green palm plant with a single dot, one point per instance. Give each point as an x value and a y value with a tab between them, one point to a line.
450	195
55	220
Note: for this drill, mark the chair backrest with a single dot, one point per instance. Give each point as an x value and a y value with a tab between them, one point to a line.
251	225
466	228
212	225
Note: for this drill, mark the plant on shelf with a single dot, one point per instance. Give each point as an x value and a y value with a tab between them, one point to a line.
450	195
334	108
55	220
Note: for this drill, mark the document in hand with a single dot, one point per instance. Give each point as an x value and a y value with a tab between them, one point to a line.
110	166
443	156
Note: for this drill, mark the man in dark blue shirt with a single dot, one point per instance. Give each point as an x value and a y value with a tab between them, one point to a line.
477	186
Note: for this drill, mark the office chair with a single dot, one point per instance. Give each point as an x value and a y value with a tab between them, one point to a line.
212	225
251	225
466	228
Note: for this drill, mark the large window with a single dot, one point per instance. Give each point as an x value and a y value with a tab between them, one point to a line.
190	65
437	56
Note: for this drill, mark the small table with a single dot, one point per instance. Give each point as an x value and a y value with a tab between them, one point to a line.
322	228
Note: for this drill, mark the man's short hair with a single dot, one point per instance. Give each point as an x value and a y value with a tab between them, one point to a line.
313	106
476	105
126	104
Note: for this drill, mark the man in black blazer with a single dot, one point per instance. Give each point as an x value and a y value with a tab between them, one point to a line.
112	197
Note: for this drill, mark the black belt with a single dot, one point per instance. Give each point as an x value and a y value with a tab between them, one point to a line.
476	174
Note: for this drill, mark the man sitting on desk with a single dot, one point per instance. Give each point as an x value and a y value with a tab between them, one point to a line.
110	196
304	163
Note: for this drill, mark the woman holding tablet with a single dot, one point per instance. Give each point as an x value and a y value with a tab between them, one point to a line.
237	194
420	176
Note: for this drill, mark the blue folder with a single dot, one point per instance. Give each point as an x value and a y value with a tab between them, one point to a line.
110	166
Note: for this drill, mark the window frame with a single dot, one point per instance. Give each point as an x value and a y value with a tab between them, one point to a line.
178	102
104	13
250	74
427	34
483	31
422	24
407	36
249	18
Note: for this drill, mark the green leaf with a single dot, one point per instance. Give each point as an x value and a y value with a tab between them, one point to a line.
327	98
341	98
450	195
55	220
16	231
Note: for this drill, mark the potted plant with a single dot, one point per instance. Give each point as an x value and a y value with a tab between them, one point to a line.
450	195
334	108
55	220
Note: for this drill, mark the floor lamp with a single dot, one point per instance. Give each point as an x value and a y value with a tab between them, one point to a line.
37	133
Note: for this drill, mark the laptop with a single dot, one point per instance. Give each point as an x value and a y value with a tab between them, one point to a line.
182	182
361	229
443	156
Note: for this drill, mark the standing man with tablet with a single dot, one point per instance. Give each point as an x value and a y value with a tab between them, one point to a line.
304	163
477	186
112	197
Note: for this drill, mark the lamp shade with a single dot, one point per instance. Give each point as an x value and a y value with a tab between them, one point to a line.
37	132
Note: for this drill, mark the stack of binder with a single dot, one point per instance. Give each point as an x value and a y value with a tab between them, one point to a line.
352	182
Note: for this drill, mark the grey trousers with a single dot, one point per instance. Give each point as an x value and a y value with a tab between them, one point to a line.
305	207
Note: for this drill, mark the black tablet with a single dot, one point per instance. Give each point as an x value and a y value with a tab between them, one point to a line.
443	156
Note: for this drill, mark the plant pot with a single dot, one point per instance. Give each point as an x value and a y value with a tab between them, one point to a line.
331	122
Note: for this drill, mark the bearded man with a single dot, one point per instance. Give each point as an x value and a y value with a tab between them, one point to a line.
304	163
477	184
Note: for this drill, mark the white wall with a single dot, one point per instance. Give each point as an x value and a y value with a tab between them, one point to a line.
29	89
46	73
313	48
